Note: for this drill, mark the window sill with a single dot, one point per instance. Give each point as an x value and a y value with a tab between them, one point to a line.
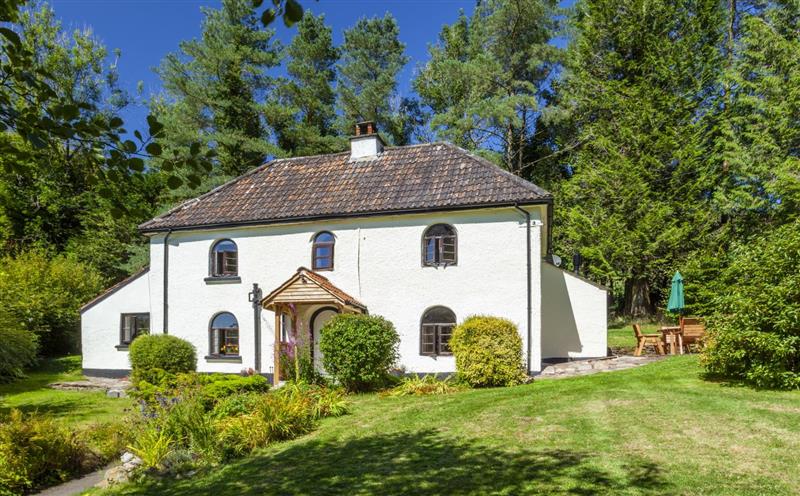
122	347
442	265
223	280
224	358
433	355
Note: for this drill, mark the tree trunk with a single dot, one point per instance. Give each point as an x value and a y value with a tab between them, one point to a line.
637	298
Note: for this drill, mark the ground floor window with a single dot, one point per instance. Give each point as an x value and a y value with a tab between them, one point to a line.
436	329
132	325
224	335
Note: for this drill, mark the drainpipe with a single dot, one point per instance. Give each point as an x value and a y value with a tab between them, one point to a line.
255	298
166	282
528	280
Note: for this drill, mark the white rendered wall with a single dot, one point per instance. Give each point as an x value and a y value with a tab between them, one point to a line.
100	325
574	316
377	260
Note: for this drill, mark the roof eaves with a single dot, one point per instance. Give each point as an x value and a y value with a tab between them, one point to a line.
366	213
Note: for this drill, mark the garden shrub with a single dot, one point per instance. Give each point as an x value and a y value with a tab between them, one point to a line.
358	350
275	417
42	294
221	386
152	356
755	330
36	451
19	348
424	386
211	388
238	404
488	352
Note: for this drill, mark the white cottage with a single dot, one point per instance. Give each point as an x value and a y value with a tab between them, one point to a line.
424	235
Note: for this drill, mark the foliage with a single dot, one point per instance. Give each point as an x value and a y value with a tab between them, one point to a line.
275	417
185	429
232	406
488	352
357	350
372	55
153	355
224	386
304	112
424	386
489	77
634	203
214	86
755	332
36	451
153	446
209	388
19	348
42	295
42	113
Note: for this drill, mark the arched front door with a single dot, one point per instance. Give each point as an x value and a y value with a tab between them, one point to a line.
319	319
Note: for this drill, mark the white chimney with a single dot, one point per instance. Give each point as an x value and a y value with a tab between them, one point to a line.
366	143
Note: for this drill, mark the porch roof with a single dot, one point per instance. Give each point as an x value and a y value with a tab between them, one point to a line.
306	287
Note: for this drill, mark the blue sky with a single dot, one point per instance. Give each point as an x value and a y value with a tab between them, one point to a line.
146	30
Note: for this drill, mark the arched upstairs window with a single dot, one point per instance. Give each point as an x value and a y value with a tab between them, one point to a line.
224	259
223	336
322	251
435	331
439	246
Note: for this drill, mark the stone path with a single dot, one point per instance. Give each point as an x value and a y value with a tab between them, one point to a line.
112	387
595	365
76	486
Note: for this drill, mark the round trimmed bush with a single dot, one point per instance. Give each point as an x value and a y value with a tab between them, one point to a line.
160	353
358	350
488	352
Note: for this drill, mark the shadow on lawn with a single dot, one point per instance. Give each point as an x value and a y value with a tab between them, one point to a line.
414	463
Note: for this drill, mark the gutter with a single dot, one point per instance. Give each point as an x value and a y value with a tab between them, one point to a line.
528	280
165	318
308	218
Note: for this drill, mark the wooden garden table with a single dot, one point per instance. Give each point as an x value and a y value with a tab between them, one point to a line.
673	335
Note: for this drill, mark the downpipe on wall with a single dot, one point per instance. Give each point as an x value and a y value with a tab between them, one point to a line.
255	298
528	280
165	319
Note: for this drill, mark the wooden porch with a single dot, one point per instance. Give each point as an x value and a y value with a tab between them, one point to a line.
291	302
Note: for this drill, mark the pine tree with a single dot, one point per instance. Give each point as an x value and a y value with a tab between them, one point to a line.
303	113
488	77
216	86
371	58
639	78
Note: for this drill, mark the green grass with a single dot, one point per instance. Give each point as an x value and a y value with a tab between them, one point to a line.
31	394
657	429
621	337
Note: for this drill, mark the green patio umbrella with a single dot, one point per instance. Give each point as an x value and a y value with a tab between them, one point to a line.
676	302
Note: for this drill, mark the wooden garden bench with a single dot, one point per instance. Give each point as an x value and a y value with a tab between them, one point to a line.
647	340
693	331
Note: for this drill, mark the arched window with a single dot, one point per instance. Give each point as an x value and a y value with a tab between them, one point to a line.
439	246
322	251
435	331
224	335
224	259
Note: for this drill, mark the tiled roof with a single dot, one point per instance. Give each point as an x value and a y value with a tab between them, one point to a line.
436	176
113	289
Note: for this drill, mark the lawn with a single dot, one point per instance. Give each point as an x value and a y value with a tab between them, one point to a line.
75	407
658	429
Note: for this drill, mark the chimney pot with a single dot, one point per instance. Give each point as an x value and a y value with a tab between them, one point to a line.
366	143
